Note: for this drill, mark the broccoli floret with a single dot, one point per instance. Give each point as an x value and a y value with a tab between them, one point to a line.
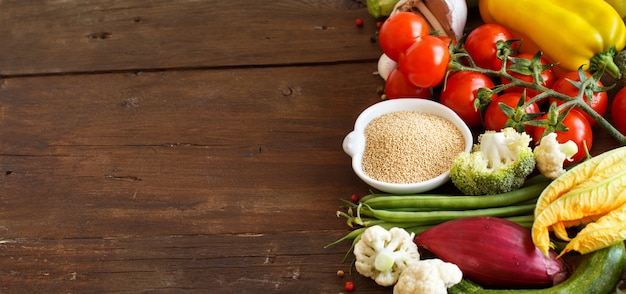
499	163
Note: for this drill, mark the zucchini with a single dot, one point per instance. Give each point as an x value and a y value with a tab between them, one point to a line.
598	272
465	287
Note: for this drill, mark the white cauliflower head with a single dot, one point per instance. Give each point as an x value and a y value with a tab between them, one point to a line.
504	147
429	276
383	254
550	155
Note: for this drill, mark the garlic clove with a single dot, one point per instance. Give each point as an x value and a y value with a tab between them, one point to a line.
385	66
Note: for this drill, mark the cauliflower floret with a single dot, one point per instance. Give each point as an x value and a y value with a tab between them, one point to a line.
550	155
383	254
499	163
429	276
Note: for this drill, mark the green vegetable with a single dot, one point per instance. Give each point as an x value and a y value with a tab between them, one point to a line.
436	217
466	287
417	213
439	202
499	163
381	8
598	273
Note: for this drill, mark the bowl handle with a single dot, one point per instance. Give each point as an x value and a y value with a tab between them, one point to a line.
348	144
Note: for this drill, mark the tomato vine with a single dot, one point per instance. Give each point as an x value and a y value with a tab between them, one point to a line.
462	61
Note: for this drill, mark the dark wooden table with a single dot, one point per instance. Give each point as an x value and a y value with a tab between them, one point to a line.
180	146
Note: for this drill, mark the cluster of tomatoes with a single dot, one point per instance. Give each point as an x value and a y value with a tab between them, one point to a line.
422	63
422	59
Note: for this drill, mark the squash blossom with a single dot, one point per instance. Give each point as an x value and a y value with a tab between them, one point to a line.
592	194
574	33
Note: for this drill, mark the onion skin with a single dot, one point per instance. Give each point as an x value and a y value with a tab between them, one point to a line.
494	253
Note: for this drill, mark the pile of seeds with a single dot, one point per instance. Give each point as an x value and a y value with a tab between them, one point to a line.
408	147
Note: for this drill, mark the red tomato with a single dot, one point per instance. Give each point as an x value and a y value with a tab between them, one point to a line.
459	94
481	44
578	130
495	119
618	111
399	32
397	86
446	39
425	63
547	75
599	100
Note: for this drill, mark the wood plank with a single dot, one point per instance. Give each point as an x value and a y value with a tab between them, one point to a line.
247	263
180	146
208	152
179	180
85	36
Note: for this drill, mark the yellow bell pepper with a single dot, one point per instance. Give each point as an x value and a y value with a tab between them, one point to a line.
619	6
574	33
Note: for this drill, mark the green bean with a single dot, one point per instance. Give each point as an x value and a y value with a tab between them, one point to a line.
369	197
417	229
414	209
527	225
353	234
417	209
430	217
529	201
388	225
521	218
417	213
536	179
447	202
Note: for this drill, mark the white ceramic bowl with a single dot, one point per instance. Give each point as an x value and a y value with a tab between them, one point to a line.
354	142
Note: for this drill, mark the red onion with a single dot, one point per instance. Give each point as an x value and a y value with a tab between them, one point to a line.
493	252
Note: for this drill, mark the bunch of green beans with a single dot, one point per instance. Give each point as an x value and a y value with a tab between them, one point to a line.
418	212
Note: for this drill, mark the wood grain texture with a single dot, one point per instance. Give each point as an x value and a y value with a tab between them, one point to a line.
180	146
84	36
245	263
201	152
217	157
